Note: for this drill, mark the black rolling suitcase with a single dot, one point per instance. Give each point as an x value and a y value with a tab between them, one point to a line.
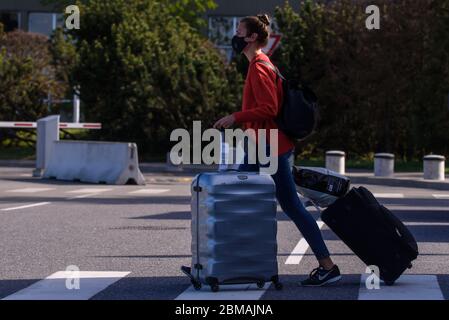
372	232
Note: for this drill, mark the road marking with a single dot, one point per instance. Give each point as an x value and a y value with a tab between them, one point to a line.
389	195
89	190
226	292
441	196
30	190
54	287
415	208
27	206
149	191
407	287
300	250
428	224
83	196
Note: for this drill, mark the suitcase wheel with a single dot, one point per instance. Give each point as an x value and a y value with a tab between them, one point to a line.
389	282
260	284
215	287
278	285
196	285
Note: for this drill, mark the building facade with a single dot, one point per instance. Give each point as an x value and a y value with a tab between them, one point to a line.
29	15
33	16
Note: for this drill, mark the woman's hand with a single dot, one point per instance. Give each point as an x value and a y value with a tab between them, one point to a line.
225	122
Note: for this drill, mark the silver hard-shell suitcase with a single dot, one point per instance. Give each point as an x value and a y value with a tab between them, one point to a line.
234	230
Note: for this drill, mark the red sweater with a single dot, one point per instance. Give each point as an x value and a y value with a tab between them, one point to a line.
262	99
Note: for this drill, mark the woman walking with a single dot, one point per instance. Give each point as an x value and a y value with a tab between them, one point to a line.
262	98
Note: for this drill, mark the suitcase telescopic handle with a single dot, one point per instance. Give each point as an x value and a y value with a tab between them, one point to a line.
224	154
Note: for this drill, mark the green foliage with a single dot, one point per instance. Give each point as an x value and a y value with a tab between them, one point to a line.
381	90
190	10
26	79
144	71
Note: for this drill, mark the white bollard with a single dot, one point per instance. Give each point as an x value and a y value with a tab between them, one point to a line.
434	166
335	161
47	133
383	165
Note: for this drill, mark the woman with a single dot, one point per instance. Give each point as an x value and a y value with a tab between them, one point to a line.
262	98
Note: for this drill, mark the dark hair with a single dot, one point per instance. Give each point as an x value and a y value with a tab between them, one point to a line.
258	24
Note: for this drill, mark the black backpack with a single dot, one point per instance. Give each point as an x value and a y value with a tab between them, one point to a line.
298	116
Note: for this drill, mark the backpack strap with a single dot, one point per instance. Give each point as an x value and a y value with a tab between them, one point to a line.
272	67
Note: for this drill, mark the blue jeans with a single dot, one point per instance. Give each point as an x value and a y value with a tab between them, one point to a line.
290	203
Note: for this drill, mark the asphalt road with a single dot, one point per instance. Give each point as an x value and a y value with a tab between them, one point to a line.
130	241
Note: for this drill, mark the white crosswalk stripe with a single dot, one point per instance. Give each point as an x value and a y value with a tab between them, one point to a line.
227	292
407	287
86	192
148	191
89	190
300	250
62	286
441	196
389	195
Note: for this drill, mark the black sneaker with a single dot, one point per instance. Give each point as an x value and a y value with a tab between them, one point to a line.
320	277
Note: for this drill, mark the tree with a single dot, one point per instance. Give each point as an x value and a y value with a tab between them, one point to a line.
379	90
144	71
190	10
26	78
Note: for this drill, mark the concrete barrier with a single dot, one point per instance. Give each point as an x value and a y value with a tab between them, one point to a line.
47	133
335	161
383	165
434	166
94	162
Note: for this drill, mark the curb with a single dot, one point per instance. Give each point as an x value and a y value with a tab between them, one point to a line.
400	182
18	163
185	174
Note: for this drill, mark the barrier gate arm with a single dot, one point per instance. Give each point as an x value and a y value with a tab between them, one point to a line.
62	125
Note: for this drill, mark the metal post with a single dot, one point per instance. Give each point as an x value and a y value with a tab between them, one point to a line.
76	108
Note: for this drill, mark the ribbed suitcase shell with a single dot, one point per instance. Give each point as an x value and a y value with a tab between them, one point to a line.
234	228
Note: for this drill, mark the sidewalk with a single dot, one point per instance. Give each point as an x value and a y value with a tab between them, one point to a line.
400	179
160	172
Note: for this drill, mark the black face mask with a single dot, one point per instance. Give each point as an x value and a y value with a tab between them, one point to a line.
239	44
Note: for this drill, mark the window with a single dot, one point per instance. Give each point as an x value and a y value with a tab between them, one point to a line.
44	23
10	20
